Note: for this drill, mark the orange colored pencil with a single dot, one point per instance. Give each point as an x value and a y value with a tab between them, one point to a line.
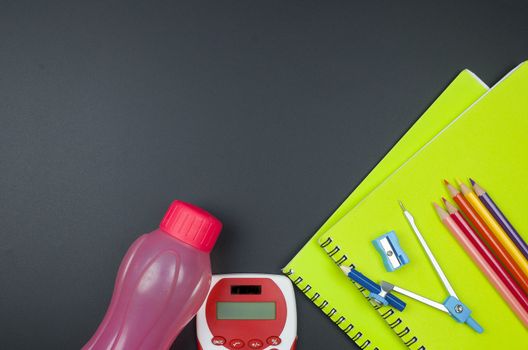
494	227
488	237
482	250
517	303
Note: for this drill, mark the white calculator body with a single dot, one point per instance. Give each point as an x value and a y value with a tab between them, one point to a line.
248	311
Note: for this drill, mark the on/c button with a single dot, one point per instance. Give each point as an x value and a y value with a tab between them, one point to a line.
218	340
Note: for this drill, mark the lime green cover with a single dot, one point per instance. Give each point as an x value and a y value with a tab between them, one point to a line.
487	142
318	277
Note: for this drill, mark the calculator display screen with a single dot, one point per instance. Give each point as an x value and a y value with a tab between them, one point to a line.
245	310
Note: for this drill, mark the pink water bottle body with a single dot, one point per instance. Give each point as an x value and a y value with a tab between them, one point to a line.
161	284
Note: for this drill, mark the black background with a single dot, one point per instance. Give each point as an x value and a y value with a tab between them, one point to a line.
266	113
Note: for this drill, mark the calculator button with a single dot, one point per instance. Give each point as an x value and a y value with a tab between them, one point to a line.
218	341
255	344
273	340
236	344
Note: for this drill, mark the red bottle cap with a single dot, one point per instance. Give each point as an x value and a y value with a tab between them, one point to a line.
191	225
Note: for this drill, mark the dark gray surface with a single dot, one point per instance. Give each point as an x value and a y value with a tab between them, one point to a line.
266	113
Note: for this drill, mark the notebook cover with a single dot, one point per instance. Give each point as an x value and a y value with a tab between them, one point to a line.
315	275
487	142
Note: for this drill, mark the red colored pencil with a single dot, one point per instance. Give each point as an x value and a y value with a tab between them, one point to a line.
483	251
501	218
484	267
489	238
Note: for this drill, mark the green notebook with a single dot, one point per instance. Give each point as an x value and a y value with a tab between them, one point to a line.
487	142
317	276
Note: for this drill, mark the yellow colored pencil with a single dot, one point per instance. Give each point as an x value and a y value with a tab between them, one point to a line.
495	227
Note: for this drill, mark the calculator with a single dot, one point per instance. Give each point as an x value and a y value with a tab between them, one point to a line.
248	311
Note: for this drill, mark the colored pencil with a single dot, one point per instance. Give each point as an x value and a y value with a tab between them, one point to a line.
480	249
517	307
494	226
501	218
488	237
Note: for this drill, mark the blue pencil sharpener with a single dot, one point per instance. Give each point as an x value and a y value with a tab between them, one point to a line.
391	252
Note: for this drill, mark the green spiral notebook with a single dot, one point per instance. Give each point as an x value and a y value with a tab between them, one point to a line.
487	142
316	275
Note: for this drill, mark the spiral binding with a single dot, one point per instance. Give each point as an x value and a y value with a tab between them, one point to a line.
340	321
386	312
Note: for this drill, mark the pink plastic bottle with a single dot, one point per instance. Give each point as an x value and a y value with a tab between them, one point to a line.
163	280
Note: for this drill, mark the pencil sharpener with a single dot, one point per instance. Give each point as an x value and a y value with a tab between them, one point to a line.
391	252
